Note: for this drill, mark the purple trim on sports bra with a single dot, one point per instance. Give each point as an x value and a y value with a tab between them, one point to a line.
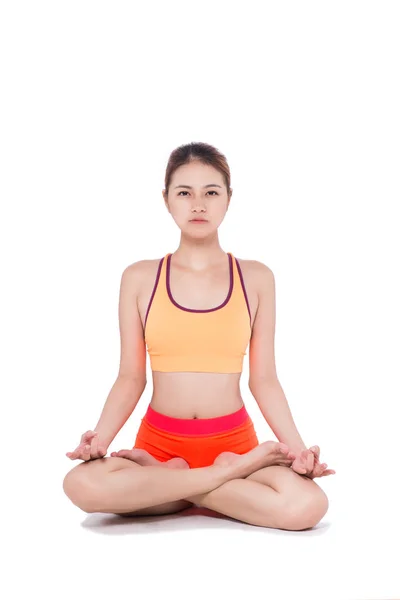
154	290
203	310
244	287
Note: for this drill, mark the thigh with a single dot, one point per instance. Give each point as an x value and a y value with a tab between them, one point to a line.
97	469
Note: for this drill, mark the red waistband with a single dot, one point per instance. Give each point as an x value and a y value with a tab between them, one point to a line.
196	426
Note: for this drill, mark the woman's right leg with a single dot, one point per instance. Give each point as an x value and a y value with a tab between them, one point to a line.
118	485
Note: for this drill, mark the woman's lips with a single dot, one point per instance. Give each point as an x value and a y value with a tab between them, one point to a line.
198	221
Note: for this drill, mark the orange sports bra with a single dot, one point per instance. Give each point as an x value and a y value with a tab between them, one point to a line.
212	340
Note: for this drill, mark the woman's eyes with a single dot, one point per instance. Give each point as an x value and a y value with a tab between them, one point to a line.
210	192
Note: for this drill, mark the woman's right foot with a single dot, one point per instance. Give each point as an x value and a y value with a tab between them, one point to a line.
145	459
264	455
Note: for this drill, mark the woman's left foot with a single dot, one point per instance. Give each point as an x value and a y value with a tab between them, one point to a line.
227	458
143	458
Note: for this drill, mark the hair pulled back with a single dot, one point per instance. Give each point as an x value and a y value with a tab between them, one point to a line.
197	151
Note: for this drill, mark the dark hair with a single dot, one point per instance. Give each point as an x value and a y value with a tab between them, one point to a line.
205	153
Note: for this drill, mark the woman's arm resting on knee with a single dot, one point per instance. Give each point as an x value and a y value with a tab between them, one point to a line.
131	380
120	404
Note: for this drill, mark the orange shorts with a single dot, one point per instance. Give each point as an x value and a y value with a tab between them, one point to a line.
198	441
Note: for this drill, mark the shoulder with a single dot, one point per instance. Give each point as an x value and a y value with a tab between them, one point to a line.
142	265
257	271
137	272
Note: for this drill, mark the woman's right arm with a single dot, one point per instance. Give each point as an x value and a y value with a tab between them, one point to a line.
131	380
121	402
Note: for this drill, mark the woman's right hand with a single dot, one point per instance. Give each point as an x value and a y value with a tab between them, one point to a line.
89	448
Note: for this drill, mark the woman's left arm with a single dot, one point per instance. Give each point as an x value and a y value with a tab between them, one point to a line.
263	381
275	409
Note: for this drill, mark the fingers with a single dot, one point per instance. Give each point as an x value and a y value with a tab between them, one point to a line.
87	436
121	453
86	444
86	452
88	448
74	454
322	471
299	468
308	460
316	450
93	448
328	472
304	463
287	457
97	451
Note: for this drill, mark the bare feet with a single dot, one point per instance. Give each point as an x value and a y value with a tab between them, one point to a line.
264	455
143	458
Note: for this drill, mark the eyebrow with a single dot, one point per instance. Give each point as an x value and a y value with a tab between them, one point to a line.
189	187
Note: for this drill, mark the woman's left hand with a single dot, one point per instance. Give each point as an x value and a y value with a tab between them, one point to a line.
307	463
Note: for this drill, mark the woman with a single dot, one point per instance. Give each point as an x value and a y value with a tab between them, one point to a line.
196	310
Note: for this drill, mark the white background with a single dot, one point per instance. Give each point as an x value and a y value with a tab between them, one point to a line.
303	99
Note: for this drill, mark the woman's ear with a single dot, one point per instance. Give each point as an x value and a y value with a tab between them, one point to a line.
165	200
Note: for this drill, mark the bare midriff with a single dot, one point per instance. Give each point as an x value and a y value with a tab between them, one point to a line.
196	395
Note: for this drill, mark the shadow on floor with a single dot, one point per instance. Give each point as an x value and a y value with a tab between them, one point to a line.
192	518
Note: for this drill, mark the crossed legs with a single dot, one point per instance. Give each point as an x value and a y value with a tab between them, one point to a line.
273	496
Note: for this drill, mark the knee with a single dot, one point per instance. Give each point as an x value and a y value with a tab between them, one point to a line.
307	511
79	489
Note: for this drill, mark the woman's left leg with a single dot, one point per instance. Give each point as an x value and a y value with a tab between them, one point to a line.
274	496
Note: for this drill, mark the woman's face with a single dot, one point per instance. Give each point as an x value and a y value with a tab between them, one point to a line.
197	191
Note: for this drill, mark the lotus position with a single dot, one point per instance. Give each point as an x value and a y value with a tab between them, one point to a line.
196	311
